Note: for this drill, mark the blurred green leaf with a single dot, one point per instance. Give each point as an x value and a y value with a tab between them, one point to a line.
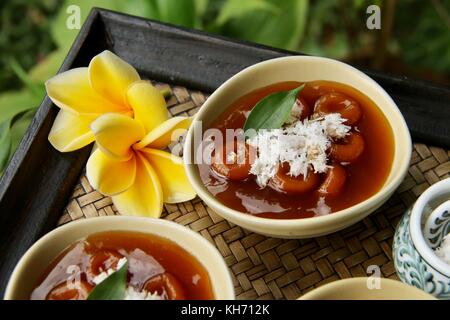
363	4
426	42
182	13
19	128
11	132
5	144
283	30
24	36
325	33
200	10
24	77
238	8
48	67
178	12
62	35
140	8
15	102
200	7
337	47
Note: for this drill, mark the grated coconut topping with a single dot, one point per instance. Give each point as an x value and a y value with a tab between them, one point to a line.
131	293
105	274
302	144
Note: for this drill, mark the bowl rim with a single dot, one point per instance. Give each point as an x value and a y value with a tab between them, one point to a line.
415	226
227	288
387	188
342	283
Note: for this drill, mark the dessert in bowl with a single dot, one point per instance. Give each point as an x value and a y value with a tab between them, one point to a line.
336	156
85	260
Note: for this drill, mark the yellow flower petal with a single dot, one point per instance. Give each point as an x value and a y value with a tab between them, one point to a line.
109	176
116	133
144	197
165	133
110	76
170	170
71	91
148	104
71	132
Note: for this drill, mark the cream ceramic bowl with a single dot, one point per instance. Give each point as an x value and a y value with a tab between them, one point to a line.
357	289
301	68
42	253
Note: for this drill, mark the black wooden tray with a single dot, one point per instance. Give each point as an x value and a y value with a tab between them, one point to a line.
39	180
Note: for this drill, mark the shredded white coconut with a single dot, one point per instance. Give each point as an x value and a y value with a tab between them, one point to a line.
321	209
295	114
334	125
133	294
443	251
238	156
302	145
105	274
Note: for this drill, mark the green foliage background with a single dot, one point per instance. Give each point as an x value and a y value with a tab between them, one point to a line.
34	39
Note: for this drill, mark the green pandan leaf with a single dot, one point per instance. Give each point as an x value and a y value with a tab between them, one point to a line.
271	112
113	287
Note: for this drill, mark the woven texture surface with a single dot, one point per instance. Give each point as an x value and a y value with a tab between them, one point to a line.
269	268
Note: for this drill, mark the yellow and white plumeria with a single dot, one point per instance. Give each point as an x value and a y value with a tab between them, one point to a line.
107	102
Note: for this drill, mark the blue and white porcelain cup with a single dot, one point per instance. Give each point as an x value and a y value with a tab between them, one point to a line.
418	234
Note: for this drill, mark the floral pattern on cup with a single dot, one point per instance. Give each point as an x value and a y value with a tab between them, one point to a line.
411	267
438	225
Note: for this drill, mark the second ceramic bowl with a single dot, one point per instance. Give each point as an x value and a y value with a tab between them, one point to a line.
42	253
303	69
358	289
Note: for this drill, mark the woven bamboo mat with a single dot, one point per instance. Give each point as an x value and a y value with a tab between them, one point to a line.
269	268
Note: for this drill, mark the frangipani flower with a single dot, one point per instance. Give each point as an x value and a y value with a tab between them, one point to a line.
107	85
130	166
107	102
